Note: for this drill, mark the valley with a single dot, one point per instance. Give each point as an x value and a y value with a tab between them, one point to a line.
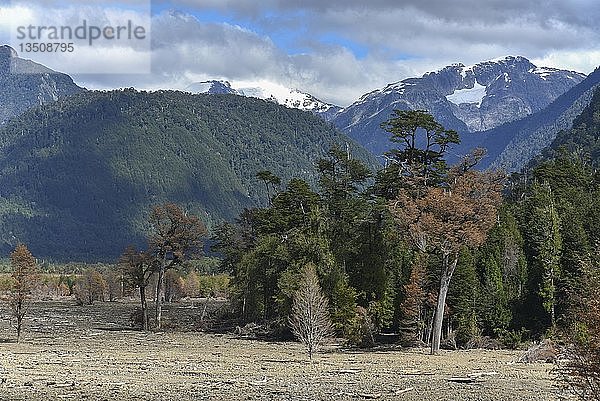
74	353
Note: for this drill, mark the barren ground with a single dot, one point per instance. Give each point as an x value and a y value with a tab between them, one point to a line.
87	353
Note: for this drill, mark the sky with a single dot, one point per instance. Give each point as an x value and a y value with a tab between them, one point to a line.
336	50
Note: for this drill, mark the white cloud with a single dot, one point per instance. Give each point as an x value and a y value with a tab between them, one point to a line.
401	40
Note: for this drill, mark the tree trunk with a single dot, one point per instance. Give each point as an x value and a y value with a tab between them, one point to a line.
144	308
447	271
160	294
19	319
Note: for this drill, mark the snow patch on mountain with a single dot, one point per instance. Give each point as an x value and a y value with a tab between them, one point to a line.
267	90
472	95
543	72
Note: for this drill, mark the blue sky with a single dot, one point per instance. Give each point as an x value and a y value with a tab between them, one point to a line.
340	49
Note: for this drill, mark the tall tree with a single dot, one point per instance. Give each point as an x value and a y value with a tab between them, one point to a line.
270	180
547	244
174	237
419	158
445	219
24	277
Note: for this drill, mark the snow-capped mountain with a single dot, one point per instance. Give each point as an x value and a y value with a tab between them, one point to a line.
279	94
212	87
465	98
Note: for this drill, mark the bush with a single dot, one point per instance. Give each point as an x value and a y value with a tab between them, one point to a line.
512	339
89	287
361	329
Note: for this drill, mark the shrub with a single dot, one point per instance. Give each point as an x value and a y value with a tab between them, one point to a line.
89	287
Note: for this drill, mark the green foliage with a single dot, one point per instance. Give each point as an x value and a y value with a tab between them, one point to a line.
80	175
466	299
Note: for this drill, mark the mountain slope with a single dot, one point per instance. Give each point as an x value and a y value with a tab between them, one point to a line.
78	176
463	98
25	84
291	98
512	145
583	138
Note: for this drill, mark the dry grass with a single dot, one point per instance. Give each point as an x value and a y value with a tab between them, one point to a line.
76	353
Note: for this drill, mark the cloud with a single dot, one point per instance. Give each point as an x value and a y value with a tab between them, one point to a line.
338	50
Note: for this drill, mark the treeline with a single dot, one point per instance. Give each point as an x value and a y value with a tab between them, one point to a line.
386	244
80	175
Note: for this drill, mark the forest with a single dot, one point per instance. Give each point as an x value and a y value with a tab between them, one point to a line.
80	175
428	254
445	256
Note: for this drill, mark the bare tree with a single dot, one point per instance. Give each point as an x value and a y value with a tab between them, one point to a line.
24	278
310	320
90	287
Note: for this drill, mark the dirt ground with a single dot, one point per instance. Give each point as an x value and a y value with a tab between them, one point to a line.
71	352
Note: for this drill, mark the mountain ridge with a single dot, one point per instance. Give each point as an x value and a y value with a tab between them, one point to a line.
514	88
292	98
25	84
510	146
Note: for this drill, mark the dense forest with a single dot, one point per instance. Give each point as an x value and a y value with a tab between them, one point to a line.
80	175
385	242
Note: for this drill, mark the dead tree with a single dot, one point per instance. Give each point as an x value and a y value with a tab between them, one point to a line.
310	320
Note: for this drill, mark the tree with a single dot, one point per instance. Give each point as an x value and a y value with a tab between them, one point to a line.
445	219
174	237
582	366
192	285
412	308
114	284
270	180
309	320
90	287
24	277
420	158
546	247
174	286
138	268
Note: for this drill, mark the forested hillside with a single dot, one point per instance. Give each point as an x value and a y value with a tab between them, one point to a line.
582	139
513	266
78	176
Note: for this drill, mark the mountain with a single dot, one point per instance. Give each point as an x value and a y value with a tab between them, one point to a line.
78	176
583	138
291	98
212	88
24	84
463	98
511	146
